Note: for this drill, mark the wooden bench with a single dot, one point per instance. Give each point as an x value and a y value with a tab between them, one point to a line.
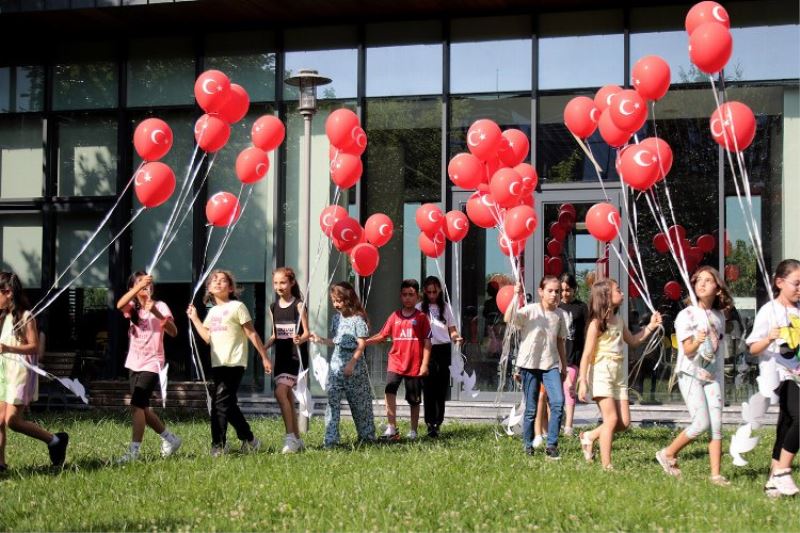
180	394
62	365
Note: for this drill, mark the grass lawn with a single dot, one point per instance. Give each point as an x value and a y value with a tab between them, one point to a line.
467	480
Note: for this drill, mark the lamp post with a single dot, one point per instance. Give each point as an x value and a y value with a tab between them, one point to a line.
307	81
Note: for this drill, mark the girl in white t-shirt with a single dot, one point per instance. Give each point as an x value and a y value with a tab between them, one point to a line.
149	320
775	335
226	329
443	333
700	331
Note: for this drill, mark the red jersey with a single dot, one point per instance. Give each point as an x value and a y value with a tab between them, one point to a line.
408	334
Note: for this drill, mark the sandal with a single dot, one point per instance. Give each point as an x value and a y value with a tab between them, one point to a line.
670	466
720	481
586	447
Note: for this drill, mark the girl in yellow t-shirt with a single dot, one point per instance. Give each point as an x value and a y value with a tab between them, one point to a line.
227	328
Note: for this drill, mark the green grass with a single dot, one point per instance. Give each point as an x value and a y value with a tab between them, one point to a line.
468	480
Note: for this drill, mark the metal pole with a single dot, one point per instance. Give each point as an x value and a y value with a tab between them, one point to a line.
304	225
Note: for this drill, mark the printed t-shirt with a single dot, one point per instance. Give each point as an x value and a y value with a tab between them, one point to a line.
228	340
146	349
408	334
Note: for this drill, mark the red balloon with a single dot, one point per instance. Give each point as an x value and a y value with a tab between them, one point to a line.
379	229
554	247
235	107
651	77
638	167
581	116
508	247
568	208
481	210
706	243
660	243
602	98
633	292
211	133
429	219
555	265
359	145
506	187
704	12
676	234
432	247
529	177
483	138
733	126
731	272
514	147
628	110
663	152
695	254
154	183
252	165
490	166
465	171
211	90
505	296
456	226
268	132
672	290
223	209
346	233
520	222
152	139
710	47
603	221
527	199
365	258
346	170
330	216
566	220
611	134
339	127
557	231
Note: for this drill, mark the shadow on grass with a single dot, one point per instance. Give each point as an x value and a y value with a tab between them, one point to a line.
86	465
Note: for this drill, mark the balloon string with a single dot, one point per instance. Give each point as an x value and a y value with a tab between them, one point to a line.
20	359
198	366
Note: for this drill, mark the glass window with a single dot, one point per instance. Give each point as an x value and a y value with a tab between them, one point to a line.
250	247
176	264
85	77
21	89
161	71
404	59
583	49
329	50
660	31
21	157
747	61
247	59
87	156
490	55
21	247
72	233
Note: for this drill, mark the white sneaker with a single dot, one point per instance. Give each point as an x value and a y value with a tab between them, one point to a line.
170	446
770	490
412	435
128	457
251	446
290	444
538	440
784	483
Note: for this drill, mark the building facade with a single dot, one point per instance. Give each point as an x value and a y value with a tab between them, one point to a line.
418	74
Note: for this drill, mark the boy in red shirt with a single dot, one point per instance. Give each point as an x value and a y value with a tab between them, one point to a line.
410	332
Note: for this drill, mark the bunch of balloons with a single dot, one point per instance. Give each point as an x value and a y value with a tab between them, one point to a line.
224	103
503	184
437	228
361	244
558	232
348	142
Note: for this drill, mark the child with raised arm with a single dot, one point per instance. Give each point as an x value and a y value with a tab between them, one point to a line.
227	328
541	359
700	331
347	372
149	320
774	338
409	355
608	378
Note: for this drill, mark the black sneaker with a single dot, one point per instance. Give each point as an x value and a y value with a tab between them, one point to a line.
433	431
552	453
529	451
58	452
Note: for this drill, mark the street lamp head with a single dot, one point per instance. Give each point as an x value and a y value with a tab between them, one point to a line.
307	81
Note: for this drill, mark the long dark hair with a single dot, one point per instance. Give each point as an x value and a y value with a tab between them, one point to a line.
351	305
289	273
784	268
600	306
134	318
234	295
18	302
426	305
723	300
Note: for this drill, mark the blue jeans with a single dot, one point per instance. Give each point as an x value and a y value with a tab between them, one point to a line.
531	380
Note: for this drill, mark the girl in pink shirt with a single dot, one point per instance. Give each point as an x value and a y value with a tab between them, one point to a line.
149	320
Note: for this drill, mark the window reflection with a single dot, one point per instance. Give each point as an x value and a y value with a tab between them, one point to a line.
490	66
21	157
161	71
341	66
582	61
85	77
21	89
404	70
87	156
247	59
21	247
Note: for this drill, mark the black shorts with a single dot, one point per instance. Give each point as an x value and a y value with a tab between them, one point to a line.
413	387
142	386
